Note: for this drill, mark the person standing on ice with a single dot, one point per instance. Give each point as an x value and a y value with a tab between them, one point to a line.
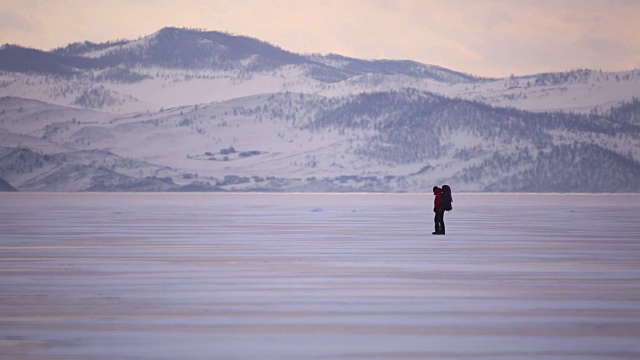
439	210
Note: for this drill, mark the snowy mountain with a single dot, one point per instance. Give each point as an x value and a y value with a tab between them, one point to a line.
190	110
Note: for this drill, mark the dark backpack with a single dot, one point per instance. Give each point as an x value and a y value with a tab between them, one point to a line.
447	199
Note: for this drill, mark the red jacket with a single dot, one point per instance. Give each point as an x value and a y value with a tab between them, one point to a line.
437	201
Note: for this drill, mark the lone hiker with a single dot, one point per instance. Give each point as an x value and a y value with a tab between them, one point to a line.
439	210
442	202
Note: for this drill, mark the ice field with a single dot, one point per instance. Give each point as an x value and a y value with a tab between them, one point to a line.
318	276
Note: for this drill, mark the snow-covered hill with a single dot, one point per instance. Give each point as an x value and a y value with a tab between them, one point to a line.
188	110
175	67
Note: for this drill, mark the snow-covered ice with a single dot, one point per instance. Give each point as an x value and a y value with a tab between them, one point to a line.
318	276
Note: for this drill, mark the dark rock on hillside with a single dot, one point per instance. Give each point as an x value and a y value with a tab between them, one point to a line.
5	186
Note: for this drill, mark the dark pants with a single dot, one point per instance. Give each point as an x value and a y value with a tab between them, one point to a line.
439	220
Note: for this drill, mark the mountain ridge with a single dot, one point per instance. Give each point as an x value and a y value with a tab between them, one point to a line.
192	110
199	50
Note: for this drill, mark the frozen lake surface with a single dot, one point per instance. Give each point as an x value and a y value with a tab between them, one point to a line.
290	276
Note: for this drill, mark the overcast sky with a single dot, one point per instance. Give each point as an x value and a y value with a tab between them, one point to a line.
481	37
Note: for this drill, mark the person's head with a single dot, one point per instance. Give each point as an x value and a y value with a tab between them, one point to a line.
435	189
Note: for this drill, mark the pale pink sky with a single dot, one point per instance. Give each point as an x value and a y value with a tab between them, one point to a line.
482	37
